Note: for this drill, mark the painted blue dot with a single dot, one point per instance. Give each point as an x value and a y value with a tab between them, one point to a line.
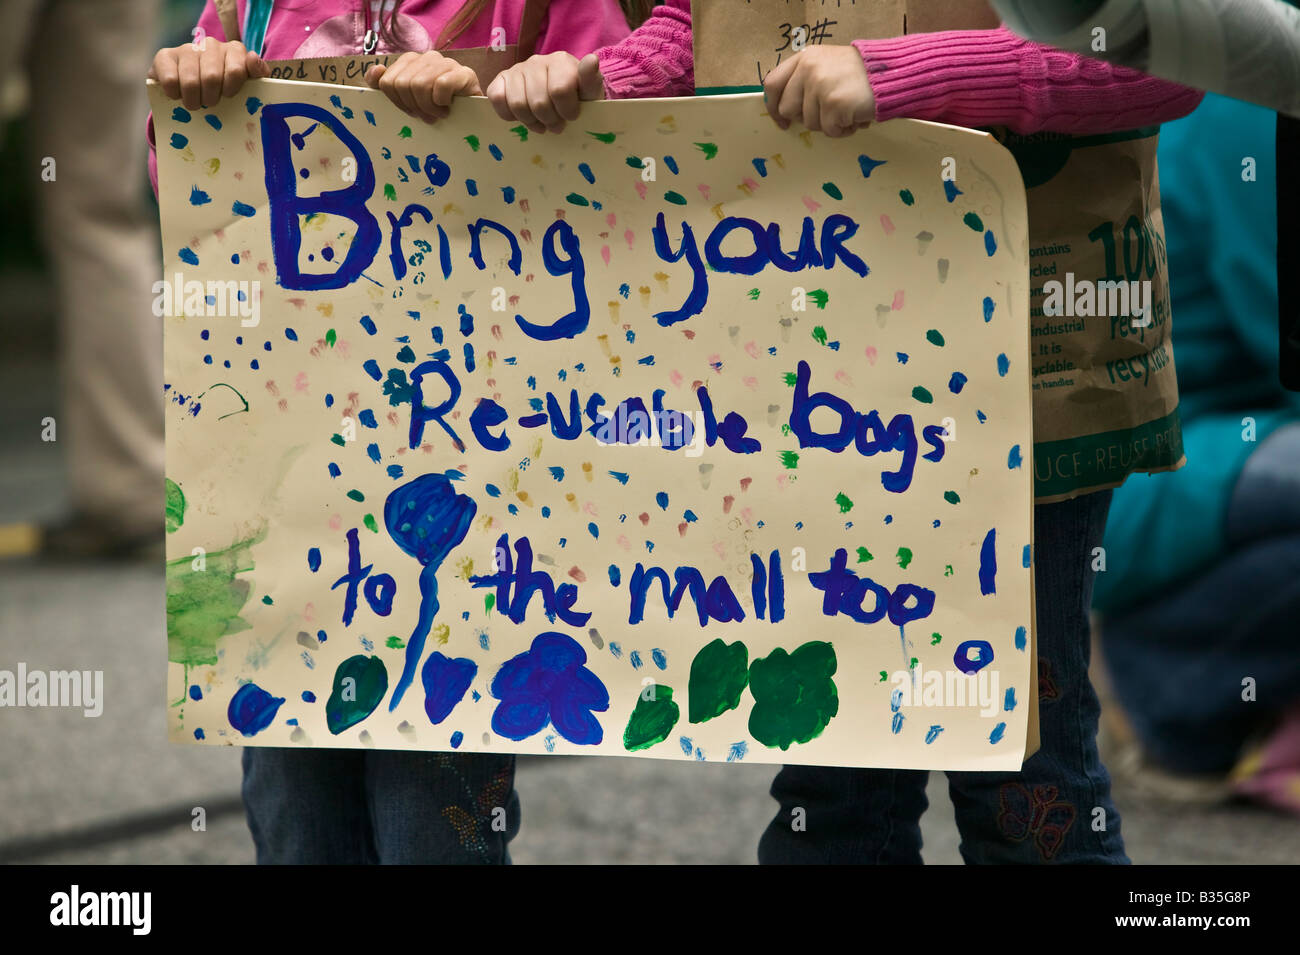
1004	365
957	382
204	334
266	346
308	696
290	334
207	359
253	364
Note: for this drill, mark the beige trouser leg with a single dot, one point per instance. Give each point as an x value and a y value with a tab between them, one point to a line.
86	61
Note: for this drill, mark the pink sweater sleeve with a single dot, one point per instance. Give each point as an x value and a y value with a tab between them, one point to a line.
656	60
995	78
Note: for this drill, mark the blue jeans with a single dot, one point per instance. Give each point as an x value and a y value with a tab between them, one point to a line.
361	806
1178	660
1052	811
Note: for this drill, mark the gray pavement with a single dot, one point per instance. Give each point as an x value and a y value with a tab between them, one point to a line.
113	790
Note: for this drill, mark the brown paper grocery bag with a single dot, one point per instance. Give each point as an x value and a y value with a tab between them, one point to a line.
1105	393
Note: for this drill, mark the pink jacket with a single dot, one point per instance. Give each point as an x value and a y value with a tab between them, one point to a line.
962	77
338	27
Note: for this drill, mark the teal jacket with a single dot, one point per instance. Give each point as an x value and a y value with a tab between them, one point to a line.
1221	232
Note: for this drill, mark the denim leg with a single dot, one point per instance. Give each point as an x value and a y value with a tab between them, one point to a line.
1178	661
307	806
441	808
849	816
1058	808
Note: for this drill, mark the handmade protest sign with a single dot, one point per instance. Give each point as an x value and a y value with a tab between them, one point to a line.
673	435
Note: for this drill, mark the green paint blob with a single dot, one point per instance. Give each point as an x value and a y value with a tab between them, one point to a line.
951	497
709	149
489	602
790	459
338	439
635	162
864	555
906	196
360	683
754	294
404	132
389	192
576	199
922	395
675	198
267	600
356	495
832	190
653	719
174	507
369	521
790	378
972	220
794	695
819	297
904	557
204	605
719	674
844	503
331	337
605	138
473	142
521	132
819	335
395	642
935	639
934	337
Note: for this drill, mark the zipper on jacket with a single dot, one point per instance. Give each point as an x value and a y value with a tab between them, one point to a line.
377	10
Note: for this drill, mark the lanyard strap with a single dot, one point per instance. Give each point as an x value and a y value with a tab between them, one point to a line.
256	17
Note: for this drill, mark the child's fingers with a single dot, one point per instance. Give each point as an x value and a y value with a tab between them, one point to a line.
256	67
591	84
496	94
187	74
564	85
236	68
517	100
539	96
812	109
775	87
374	75
397	86
789	107
165	71
212	71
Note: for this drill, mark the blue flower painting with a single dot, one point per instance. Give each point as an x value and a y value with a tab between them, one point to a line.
548	683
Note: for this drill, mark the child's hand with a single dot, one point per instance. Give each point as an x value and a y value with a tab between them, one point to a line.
200	78
423	84
544	91
823	87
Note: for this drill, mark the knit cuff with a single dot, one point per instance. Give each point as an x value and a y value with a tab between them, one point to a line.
963	77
